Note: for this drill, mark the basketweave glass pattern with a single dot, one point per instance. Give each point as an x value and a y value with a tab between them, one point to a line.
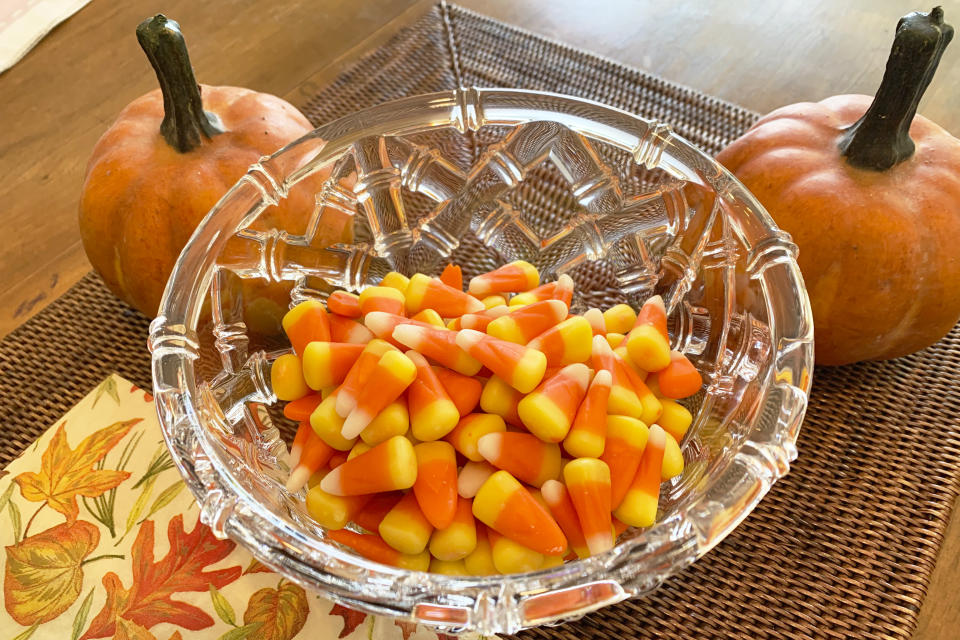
481	177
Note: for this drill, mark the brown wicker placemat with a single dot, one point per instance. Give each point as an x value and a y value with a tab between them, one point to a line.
841	548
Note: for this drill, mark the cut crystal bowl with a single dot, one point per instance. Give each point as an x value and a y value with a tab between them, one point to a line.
480	177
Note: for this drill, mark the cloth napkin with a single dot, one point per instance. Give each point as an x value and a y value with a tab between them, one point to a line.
103	540
23	23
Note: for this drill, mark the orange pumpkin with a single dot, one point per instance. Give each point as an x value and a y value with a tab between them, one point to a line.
871	195
168	159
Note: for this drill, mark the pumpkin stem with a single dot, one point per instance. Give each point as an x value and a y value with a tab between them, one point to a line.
185	124
881	138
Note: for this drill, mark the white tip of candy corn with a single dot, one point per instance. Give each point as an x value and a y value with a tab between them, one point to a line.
379	322
579	372
552	491
657	300
603	378
331	483
468	338
356	422
599	542
490	446
409	335
601	346
298	479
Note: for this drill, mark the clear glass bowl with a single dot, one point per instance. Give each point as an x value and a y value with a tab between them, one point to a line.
481	177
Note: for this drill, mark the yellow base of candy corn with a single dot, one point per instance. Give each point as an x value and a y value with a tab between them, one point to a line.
543	418
394	420
455	542
672	459
647	348
584	444
512	557
675	419
479	562
327	424
435	420
448	568
637	509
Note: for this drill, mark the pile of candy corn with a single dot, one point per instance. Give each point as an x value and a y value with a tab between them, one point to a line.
481	432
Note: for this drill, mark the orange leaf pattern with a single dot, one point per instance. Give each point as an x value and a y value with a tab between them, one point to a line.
148	600
66	473
43	574
65	576
282	612
351	619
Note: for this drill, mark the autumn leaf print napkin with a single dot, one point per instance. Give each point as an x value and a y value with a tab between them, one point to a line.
102	540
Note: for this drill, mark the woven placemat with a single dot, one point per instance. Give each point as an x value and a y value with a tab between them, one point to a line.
841	548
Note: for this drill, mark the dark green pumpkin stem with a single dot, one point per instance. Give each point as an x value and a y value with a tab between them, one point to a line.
881	138
185	124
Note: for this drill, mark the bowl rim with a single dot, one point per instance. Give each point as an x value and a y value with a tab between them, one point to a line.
225	502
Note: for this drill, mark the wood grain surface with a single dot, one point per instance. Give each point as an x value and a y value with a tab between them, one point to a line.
59	99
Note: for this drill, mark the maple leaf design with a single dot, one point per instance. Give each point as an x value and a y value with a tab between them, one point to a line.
149	601
351	619
256	566
66	473
43	575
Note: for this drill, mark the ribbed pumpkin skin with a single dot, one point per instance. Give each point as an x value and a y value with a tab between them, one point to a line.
878	249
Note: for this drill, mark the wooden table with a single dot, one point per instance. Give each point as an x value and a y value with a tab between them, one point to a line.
57	101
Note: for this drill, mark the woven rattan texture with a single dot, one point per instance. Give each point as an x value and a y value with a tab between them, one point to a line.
843	547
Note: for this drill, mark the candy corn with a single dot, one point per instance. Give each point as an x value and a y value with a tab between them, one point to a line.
348	330
436	484
330	511
459	538
561	507
639	506
470	429
510	556
597	324
396	280
480	321
623	399
305	323
388	466
359	375
440	345
328	424
527	322
561	290
326	364
675	419
615	339
307	455
626	439
680	379
375	510
405	528
463	390
286	378
506	507
337	459
515	276
472	476
392	375
494	301
448	567
519	366
429	316
432	413
425	292
524	455
479	562
359	448
393	420
300	409
452	276
588	482
549	411
588	433
672	459
566	343
647	342
499	398
344	304
386	299
373	547
619	318
650	407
